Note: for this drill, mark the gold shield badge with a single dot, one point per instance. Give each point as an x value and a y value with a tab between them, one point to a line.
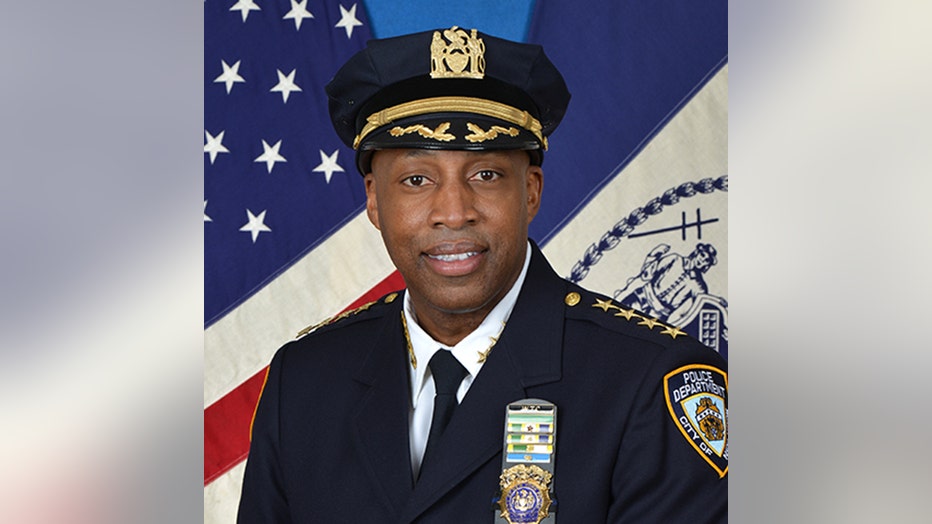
525	494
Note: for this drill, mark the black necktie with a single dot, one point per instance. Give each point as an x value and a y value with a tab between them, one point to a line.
448	373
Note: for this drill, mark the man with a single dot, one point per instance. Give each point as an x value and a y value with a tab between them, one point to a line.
490	390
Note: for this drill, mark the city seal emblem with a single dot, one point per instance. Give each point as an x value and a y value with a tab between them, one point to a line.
525	494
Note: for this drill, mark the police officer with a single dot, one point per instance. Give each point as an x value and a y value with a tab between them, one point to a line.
491	389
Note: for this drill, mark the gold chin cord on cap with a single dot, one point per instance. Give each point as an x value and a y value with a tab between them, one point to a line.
452	104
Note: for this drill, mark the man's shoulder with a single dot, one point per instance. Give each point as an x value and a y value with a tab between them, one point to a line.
350	318
339	340
592	311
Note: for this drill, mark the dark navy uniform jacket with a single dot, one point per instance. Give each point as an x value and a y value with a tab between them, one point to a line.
330	436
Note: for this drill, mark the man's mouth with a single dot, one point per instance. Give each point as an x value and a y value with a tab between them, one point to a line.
454	257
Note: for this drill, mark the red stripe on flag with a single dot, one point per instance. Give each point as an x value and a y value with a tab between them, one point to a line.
226	421
226	427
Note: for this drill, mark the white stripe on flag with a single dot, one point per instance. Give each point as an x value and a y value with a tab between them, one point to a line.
326	280
221	497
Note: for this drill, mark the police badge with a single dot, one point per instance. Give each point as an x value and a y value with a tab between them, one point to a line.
525	494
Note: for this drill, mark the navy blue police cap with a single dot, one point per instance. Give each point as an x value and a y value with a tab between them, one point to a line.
447	89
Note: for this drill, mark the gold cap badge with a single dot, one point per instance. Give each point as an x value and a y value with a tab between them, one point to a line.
457	54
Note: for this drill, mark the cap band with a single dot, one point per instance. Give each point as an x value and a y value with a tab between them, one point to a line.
454	104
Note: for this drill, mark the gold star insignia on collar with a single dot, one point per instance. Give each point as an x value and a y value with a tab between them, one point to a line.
484	354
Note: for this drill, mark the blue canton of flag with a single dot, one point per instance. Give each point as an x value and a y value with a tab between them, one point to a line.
277	180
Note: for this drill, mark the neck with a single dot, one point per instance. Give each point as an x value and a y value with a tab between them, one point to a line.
449	328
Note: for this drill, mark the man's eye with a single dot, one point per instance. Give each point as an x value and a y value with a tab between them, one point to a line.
486	175
414	181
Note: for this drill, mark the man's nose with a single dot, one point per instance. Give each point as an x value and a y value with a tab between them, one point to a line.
454	205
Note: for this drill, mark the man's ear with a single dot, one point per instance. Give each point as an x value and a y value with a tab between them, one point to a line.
372	203
535	187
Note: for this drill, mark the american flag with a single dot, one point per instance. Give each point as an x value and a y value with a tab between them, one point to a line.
639	161
277	182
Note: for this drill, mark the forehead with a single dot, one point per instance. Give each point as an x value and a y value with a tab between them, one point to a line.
388	156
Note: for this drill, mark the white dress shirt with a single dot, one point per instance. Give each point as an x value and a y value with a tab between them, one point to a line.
467	352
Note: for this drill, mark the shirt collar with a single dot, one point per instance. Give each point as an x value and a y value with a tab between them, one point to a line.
467	350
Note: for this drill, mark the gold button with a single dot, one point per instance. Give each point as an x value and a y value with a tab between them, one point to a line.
572	299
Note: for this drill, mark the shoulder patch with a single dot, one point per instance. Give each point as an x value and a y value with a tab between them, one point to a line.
387	299
697	398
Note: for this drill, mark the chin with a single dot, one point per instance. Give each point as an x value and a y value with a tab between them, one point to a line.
448	301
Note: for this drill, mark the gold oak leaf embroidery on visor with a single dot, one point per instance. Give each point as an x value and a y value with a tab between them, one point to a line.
440	133
478	135
452	104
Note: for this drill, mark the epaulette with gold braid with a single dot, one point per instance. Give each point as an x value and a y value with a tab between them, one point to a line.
387	299
629	315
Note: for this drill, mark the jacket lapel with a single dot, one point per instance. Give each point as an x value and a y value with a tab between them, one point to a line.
380	423
527	354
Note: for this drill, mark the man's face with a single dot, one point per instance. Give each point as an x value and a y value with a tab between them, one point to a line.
455	223
702	260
